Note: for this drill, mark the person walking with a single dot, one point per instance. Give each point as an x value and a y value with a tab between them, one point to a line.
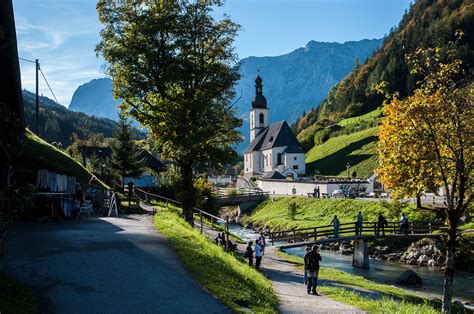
404	224
258	254
358	224
311	265
249	253
335	222
381	224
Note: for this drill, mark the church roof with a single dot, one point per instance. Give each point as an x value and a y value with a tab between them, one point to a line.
276	135
275	175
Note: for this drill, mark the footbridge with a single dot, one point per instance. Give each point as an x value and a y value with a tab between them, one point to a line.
245	200
347	232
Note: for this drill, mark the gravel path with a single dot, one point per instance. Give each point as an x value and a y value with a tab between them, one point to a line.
103	265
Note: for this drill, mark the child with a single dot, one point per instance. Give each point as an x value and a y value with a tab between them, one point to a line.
249	253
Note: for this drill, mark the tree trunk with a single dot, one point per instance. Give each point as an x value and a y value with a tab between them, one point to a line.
187	192
418	201
450	267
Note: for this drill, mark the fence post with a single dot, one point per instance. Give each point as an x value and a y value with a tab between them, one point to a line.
315	234
200	220
411	226
294	236
271	235
429	226
227	234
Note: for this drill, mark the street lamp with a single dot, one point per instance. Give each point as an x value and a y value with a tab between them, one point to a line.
347	167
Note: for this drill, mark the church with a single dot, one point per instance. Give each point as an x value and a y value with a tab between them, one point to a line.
273	152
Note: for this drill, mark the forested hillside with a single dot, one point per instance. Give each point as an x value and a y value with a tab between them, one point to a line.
428	23
57	123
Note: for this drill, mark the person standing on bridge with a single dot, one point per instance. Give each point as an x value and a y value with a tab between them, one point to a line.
358	224
311	265
404	224
381	223
335	222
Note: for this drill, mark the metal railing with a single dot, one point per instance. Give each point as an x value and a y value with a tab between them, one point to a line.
369	227
202	215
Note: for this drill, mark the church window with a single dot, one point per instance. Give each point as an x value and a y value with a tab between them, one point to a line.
295	167
295	158
279	159
271	138
262	118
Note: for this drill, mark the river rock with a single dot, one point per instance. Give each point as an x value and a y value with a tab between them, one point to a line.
428	250
431	263
440	260
409	278
423	259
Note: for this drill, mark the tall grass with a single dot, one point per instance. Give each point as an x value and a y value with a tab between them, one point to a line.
231	280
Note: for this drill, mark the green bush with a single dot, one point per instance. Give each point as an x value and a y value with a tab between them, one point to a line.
292	210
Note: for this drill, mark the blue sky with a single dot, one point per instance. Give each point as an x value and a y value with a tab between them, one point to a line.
62	34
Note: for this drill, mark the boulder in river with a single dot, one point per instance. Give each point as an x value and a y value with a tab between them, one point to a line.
409	278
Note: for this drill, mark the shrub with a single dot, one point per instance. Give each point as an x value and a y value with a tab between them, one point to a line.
292	210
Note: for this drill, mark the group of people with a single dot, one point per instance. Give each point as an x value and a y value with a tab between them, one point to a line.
221	240
380	227
259	251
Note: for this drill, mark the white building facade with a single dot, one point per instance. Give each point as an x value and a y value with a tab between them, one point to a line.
272	147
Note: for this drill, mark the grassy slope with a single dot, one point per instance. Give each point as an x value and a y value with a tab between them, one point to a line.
358	149
375	114
224	275
392	299
315	212
39	154
16	298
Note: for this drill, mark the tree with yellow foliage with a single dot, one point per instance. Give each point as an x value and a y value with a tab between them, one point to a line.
426	142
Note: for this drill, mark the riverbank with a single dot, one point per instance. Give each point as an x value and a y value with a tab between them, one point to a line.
274	213
233	282
368	295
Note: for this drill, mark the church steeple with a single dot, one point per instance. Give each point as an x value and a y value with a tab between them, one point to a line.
259	101
259	111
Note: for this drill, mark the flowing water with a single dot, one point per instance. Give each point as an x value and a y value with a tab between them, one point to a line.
383	271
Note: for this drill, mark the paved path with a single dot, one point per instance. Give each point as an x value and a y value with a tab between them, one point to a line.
287	281
288	284
104	265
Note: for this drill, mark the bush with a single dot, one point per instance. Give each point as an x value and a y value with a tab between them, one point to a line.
292	210
205	198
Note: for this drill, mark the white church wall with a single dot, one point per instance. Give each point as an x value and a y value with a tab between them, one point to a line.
292	160
303	188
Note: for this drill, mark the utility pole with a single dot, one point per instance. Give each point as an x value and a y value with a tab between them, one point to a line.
37	98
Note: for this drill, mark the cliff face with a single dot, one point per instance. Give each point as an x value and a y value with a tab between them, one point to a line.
95	98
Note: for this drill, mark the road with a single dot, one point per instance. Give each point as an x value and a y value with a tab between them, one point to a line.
103	265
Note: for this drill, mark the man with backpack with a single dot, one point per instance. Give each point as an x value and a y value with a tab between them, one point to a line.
381	224
311	265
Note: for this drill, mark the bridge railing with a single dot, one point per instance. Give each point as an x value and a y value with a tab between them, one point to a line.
243	194
346	229
198	213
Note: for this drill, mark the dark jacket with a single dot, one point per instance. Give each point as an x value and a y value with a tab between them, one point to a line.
311	260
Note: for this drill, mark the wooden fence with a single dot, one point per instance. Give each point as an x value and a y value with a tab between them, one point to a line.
345	229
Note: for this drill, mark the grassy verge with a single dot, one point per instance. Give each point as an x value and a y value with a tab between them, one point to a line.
229	279
389	299
40	154
311	212
16	298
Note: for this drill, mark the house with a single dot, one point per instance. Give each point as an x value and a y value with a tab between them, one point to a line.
272	147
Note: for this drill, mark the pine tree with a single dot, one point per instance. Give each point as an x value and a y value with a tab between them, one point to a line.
126	160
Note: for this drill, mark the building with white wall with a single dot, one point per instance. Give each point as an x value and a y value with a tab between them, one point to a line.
272	147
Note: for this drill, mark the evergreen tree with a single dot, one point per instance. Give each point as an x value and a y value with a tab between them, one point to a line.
126	159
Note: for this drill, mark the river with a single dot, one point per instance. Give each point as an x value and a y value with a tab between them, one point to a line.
384	271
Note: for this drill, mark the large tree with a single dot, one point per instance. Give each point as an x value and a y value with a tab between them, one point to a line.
426	140
174	66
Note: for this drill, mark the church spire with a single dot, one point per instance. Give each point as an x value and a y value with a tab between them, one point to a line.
259	101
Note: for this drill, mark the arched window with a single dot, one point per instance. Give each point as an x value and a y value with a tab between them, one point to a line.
262	118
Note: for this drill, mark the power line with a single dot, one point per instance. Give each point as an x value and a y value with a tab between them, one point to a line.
49	86
32	61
